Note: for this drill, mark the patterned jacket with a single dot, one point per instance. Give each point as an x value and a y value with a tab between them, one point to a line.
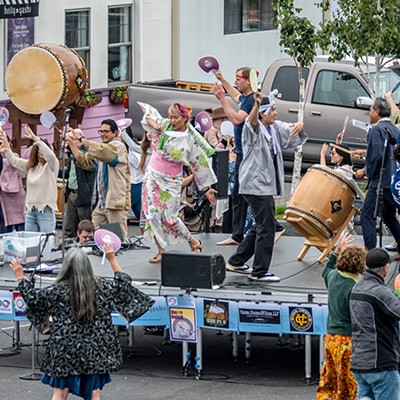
76	347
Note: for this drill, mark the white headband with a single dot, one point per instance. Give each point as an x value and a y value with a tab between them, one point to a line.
266	108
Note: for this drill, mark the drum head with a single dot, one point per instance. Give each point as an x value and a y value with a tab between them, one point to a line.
34	80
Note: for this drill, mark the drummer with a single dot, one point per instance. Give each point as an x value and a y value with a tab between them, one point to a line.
341	159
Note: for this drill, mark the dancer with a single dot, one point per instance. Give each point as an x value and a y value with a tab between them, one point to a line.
261	178
41	182
83	348
173	146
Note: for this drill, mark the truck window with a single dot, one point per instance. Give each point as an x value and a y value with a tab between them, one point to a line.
337	88
287	83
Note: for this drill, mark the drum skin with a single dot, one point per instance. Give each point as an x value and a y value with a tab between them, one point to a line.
45	77
321	203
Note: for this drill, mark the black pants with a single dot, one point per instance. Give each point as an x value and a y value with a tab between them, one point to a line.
259	241
239	205
368	222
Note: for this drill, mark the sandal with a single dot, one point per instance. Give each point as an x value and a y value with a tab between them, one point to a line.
156	259
197	248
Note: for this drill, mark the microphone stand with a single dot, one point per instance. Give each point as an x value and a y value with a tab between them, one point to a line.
34	376
63	187
379	193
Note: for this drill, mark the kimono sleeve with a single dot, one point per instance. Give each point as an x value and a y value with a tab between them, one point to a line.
200	166
37	303
286	141
129	302
149	112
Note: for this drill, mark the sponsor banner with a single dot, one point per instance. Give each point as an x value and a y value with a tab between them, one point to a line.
217	314
260	317
182	324
6	305
156	316
303	319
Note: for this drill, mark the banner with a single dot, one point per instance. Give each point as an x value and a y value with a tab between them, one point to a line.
18	8
20	34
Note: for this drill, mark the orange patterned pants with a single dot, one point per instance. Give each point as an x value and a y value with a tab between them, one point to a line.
337	382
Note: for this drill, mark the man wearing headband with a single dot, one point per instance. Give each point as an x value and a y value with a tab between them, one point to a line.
242	95
261	177
375	313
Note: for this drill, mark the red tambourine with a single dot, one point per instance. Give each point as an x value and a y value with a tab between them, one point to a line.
102	236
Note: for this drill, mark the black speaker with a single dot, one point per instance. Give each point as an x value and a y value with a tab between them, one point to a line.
192	270
220	165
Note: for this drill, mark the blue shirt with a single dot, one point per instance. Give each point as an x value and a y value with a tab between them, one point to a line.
246	104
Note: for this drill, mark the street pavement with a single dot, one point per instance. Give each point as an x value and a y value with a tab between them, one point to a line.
153	370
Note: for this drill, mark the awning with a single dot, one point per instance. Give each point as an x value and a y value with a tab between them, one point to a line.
18	8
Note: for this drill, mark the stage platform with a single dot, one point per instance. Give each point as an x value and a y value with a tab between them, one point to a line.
301	281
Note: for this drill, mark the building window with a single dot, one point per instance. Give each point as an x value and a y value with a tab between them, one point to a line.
248	15
77	33
119	44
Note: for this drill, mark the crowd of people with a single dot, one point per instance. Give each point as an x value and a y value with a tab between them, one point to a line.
105	180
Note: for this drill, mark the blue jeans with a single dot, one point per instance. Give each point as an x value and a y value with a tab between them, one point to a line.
44	221
136	199
383	385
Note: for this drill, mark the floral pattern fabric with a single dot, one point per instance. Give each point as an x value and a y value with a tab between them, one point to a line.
337	382
161	192
78	347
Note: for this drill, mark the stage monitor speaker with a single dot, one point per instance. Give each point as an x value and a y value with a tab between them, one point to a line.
220	165
192	270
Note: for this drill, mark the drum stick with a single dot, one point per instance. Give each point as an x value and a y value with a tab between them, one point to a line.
340	148
347	170
350	171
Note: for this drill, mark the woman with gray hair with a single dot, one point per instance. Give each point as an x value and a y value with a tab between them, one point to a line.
83	348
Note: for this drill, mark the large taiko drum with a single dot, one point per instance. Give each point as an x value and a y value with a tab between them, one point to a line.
45	77
321	203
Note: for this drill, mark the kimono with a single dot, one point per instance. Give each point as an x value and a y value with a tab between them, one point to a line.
161	191
83	347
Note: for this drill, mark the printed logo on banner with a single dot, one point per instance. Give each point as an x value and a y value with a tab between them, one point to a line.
183	324
301	319
216	313
5	304
19	304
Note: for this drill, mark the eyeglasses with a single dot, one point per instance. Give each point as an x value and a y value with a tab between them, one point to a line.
101	131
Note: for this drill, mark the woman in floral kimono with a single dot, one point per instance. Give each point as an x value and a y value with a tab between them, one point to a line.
174	145
83	348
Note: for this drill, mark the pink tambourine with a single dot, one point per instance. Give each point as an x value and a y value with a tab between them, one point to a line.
208	63
102	236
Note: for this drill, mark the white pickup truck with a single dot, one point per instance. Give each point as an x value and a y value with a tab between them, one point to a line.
332	92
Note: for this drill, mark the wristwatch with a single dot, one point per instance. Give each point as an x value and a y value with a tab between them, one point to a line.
81	138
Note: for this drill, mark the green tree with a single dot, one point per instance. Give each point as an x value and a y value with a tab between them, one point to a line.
299	40
361	29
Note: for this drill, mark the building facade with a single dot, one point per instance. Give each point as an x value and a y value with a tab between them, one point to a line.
124	41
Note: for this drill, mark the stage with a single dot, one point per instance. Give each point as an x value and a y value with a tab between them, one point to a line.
297	305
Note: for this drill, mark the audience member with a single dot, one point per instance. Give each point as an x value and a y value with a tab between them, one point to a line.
111	195
79	192
41	182
341	273
83	348
375	315
12	197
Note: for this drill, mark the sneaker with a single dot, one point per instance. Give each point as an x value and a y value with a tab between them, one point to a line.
241	269
268	277
391	247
